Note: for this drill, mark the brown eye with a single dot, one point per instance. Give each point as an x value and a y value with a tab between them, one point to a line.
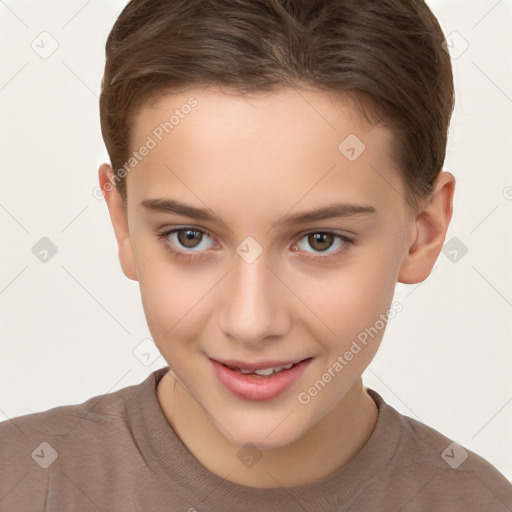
321	241
189	238
323	246
187	242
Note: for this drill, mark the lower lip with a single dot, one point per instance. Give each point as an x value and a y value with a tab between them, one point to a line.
255	388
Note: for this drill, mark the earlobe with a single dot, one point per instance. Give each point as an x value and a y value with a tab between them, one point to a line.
119	218
429	231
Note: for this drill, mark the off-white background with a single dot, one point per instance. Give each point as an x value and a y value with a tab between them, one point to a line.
70	326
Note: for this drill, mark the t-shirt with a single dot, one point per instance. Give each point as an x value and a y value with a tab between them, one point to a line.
117	452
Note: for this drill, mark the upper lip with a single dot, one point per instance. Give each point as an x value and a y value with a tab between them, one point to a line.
243	365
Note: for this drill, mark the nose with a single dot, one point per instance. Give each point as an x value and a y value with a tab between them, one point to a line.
254	306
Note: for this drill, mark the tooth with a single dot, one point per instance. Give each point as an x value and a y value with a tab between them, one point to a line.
288	366
245	371
265	371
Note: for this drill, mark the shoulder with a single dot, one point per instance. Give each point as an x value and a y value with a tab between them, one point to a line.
440	472
34	446
69	420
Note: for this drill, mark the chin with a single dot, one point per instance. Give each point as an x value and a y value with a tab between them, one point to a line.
271	438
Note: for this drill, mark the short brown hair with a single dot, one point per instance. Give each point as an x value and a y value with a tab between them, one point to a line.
386	55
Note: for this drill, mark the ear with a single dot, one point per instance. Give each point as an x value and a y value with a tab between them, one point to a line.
428	231
119	218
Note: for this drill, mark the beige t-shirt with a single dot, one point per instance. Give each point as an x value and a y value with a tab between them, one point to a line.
116	452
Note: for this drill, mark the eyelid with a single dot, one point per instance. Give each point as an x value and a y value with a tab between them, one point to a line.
319	256
327	256
162	235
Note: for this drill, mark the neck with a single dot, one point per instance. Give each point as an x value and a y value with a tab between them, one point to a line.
327	446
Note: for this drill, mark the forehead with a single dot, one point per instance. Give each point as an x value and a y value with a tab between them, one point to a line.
287	110
290	144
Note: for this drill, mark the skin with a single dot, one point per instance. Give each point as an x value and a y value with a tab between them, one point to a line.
252	161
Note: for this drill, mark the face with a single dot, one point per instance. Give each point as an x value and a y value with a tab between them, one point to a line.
232	271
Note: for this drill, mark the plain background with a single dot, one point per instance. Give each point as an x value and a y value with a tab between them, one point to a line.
73	326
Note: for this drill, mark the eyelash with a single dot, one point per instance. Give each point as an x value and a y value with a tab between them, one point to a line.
195	255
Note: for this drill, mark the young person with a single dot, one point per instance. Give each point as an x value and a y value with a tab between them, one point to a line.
276	169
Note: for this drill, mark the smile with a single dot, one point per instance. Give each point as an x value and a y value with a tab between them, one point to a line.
258	382
264	372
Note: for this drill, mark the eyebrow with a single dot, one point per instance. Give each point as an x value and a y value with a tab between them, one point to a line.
325	212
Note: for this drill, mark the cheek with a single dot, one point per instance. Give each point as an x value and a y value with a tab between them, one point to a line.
349	299
170	294
337	303
178	305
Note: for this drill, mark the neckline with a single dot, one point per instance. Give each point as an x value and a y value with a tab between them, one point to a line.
179	470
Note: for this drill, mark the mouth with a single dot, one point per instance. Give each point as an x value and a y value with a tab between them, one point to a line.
262	369
259	381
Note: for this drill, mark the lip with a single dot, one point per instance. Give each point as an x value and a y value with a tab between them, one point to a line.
256	366
255	388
